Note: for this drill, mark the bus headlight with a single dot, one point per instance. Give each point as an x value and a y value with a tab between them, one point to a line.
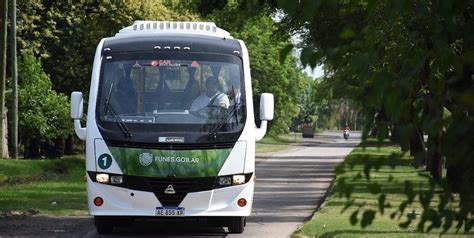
224	181
116	179
232	180
102	178
238	179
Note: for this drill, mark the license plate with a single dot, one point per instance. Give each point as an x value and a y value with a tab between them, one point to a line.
170	211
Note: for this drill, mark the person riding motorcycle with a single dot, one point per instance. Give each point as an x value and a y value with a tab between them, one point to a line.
346	127
346	131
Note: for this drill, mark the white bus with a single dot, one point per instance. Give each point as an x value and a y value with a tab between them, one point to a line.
170	128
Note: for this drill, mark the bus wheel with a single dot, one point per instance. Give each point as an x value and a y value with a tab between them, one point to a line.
236	225
103	225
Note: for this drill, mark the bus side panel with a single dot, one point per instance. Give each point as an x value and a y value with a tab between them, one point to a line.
104	159
234	163
92	131
248	134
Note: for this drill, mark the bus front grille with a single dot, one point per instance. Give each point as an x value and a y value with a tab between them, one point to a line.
180	186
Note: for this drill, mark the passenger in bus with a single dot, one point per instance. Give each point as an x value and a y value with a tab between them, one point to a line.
124	94
211	97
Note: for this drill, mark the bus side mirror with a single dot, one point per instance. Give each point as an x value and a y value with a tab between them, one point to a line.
77	107
266	107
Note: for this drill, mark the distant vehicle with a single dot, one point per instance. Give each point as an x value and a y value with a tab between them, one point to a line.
151	151
346	134
346	130
308	131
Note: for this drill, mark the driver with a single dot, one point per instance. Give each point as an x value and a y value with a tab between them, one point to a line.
211	97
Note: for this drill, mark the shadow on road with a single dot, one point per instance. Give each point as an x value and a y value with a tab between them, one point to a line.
45	226
143	228
84	227
289	188
351	142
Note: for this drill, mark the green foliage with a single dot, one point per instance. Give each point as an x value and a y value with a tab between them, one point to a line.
64	35
332	106
409	63
67	59
307	107
44	113
413	190
353	209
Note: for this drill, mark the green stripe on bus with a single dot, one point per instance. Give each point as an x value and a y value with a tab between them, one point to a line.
164	163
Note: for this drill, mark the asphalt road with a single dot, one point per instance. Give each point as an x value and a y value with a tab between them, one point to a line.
290	186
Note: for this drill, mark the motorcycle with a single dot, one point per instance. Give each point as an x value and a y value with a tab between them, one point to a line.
346	134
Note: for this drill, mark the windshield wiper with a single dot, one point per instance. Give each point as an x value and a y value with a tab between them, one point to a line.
232	112
108	108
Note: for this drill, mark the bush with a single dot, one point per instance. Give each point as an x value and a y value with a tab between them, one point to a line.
43	119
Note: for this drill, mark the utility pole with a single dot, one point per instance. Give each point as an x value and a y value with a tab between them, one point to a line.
3	69
14	83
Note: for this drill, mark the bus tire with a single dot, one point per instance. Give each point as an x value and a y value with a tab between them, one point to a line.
236	225
103	225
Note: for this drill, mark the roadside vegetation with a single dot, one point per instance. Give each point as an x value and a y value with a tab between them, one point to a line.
404	69
51	187
349	210
271	143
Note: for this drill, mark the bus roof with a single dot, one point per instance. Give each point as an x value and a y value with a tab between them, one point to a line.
170	43
173	27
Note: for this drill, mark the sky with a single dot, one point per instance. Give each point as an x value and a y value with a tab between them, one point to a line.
295	39
316	72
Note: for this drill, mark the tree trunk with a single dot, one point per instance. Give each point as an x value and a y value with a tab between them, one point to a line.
5	136
435	158
418	148
355	119
69	146
53	149
14	130
3	68
32	149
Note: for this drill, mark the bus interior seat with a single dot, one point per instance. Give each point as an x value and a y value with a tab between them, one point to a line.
192	89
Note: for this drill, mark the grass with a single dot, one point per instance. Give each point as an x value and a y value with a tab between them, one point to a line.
332	221
276	143
52	187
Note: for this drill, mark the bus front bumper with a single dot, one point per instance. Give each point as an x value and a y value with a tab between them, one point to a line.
118	201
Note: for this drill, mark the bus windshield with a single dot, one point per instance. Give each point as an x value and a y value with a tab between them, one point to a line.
143	89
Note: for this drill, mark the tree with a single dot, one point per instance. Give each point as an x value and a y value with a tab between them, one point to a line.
52	29
63	36
307	107
3	65
44	122
410	63
14	83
